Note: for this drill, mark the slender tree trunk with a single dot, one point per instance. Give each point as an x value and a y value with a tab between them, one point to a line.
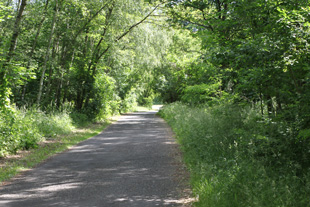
68	81
51	67
60	85
279	105
34	44
17	5
85	25
97	55
4	99
269	105
16	31
47	53
261	103
96	51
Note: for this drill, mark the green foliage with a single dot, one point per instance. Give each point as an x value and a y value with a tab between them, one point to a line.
147	102
110	101
15	166
129	103
239	158
109	48
7	142
260	55
54	124
99	57
199	94
79	119
26	128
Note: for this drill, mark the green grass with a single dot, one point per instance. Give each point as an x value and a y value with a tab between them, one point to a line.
24	129
237	158
11	166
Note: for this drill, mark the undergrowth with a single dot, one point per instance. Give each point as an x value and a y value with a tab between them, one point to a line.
238	158
24	129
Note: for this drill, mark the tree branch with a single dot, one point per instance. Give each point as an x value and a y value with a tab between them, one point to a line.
89	20
199	24
124	34
136	24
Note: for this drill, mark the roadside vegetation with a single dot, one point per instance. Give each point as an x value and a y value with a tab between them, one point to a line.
237	157
34	136
241	108
26	128
236	74
65	64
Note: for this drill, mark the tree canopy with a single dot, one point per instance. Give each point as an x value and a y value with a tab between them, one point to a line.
94	54
54	52
102	57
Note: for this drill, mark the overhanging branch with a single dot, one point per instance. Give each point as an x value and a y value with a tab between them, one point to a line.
136	24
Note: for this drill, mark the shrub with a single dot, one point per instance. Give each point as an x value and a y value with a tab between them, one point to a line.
130	102
199	94
146	101
8	144
79	119
51	125
24	129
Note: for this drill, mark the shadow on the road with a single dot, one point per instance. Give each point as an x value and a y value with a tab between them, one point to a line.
129	164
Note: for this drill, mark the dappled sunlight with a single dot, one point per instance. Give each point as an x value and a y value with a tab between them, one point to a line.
152	200
56	188
128	164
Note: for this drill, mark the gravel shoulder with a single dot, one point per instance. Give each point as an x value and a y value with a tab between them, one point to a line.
134	162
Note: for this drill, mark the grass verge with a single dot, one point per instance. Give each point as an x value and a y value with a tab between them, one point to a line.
13	165
239	158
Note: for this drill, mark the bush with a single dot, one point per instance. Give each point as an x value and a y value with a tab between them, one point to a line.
27	129
24	129
129	103
199	94
79	119
51	125
146	102
239	158
8	144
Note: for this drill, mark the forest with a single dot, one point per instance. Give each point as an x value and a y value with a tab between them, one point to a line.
234	76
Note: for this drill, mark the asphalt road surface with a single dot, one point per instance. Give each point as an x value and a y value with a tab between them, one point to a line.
131	163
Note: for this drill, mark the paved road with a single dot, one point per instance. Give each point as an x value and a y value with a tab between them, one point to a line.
131	163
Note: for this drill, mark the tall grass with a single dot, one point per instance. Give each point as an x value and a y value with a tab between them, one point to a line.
238	158
25	128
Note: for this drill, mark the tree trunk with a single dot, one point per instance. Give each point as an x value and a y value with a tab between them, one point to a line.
34	44
51	67
269	105
68	81
60	86
47	53
261	103
4	97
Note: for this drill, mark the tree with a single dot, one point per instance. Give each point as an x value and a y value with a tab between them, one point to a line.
6	73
